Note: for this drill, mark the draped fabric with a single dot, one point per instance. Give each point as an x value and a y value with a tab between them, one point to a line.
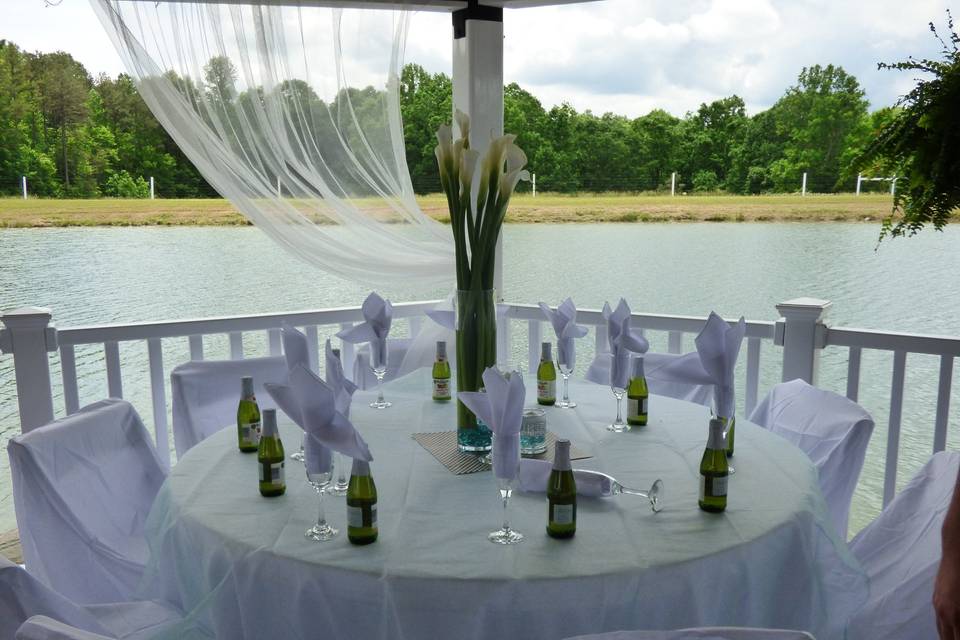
292	113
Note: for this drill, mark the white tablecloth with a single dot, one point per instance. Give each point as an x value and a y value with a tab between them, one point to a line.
242	561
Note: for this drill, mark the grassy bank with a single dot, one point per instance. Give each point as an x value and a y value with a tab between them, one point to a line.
15	212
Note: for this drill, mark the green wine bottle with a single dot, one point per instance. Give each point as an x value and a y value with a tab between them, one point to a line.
361	505
248	417
561	495
546	377
270	457
733	424
714	470
637	395
441	374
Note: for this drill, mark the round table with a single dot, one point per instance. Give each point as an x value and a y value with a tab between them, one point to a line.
241	561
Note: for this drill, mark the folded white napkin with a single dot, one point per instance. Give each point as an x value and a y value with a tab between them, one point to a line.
317	458
444	313
564	321
714	361
343	387
312	404
501	408
294	346
613	368
534	475
377	317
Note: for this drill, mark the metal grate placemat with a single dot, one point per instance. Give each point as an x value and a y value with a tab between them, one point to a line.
442	445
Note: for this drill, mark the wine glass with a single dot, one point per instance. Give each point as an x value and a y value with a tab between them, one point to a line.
340	487
654	494
319	478
565	372
618	425
378	362
506	470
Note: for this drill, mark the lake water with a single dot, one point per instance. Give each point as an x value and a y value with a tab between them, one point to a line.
91	276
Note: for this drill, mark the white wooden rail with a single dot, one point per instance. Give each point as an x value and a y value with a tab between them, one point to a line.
801	332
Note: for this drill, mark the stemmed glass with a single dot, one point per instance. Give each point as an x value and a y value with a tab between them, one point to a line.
378	362
654	494
565	372
507	480
618	425
340	487
319	474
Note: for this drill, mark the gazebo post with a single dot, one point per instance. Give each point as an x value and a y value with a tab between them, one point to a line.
478	85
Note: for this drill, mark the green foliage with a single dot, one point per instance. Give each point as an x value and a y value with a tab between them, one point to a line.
123	185
705	180
920	142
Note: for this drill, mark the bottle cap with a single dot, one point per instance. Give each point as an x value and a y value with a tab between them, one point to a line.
717	438
246	386
561	456
441	349
638	367
546	351
269	423
360	468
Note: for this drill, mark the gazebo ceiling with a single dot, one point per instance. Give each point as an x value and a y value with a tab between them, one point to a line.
427	5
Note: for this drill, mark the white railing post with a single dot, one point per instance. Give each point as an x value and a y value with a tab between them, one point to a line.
802	334
28	335
859	180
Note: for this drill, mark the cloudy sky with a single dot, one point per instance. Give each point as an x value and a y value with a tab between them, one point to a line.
625	56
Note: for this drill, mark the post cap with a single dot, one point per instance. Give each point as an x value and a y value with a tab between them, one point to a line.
804	307
26	318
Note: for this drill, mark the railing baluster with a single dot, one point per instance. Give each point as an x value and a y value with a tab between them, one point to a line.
313	352
893	431
675	342
236	345
853	374
943	403
68	369
503	339
753	374
196	347
347	353
602	343
158	394
111	351
275	342
534	338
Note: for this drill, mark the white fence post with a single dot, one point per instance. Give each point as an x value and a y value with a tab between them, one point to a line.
859	180
802	334
23	182
533	179
151	187
893	185
673	183
803	187
28	335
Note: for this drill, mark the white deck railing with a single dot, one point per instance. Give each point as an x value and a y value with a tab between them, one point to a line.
801	332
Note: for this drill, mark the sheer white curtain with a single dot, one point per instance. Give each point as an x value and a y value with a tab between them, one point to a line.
292	113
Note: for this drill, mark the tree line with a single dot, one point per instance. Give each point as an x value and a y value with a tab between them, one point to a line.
73	135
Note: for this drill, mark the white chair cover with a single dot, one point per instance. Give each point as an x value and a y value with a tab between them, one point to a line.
82	489
702	633
206	392
30	609
832	430
44	628
396	352
900	552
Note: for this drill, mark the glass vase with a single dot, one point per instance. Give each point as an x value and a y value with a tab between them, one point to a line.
476	351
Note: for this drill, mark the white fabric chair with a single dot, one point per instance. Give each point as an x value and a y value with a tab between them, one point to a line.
396	352
831	429
900	552
31	610
82	489
206	392
702	633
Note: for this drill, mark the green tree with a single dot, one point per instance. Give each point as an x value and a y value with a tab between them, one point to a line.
921	143
64	86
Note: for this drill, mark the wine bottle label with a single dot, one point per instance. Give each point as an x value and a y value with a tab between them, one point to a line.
272	472
355	517
441	387
636	406
546	389
250	433
713	487
562	514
